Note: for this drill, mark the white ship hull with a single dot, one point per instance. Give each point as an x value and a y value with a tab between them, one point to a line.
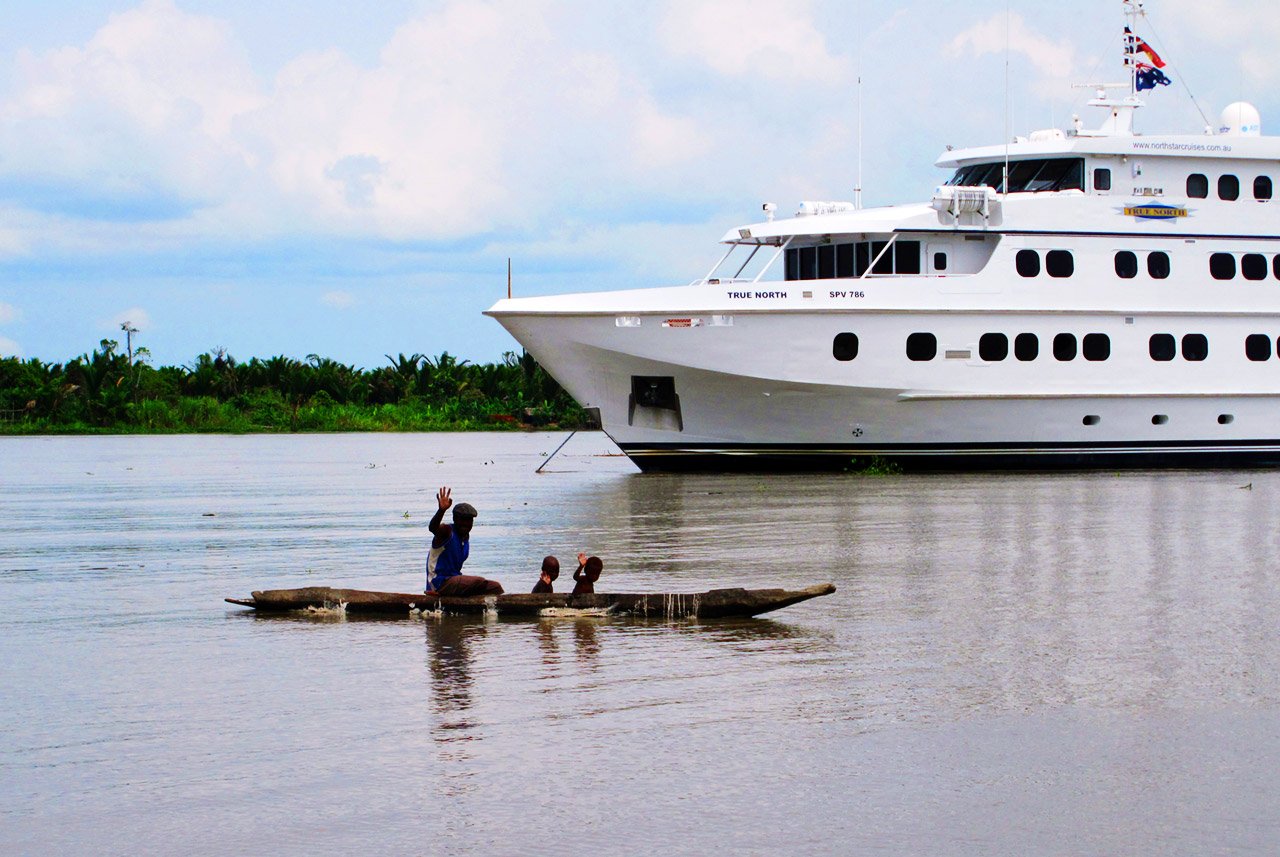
764	392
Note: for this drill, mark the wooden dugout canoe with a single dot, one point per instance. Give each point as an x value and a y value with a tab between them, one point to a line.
715	604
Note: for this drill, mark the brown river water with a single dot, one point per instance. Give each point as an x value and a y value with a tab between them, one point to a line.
1012	664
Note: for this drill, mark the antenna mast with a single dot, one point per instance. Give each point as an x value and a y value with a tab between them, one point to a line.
857	191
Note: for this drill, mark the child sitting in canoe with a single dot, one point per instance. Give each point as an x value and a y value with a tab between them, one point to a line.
550	571
589	568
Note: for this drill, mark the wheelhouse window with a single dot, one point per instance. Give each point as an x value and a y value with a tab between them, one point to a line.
1028	263
1228	188
1126	265
845	346
1195	347
1026	347
1262	188
831	261
1158	265
1064	347
1197	186
1253	266
1163	347
993	347
922	346
1257	347
1222	266
1059	263
1025	176
1097	346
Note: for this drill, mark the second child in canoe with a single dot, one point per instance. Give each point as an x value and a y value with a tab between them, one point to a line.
589	568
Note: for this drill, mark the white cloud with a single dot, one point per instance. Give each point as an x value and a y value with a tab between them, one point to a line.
137	317
743	38
9	348
338	299
8	313
1053	60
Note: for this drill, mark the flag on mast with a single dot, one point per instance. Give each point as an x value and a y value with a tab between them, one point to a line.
1146	75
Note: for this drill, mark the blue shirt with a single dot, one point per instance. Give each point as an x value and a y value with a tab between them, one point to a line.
453	554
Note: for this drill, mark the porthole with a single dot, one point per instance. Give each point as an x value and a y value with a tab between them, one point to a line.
1222	266
1197	186
1257	347
1064	347
939	261
1091	419
1159	419
993	347
1195	347
845	346
1253	266
1126	265
1097	346
1026	347
1059	263
1275	267
1226	419
1163	347
1102	179
1158	265
922	346
1228	188
1028	263
1262	188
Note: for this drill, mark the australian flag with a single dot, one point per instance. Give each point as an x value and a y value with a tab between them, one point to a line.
1149	77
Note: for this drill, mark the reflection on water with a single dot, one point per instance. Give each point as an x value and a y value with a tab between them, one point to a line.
1087	659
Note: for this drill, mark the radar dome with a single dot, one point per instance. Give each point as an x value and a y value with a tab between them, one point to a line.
1240	120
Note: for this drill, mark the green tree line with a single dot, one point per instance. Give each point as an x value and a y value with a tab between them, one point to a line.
108	390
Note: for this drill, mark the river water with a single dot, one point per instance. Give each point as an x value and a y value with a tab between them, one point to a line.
1058	664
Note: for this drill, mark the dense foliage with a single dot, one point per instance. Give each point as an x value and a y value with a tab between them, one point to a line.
108	391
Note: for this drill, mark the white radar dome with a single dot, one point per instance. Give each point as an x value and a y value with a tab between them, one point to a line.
1240	120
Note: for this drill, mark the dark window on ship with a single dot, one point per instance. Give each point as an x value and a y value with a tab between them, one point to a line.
845	346
993	347
1163	346
1126	265
1097	346
1253	266
1026	347
1197	186
1257	347
1228	188
1064	346
1158	265
1028	263
808	263
844	261
793	264
1027	176
1059	263
1102	179
1262	188
906	257
883	263
922	346
1195	346
826	262
862	258
1222	266
939	261
1275	267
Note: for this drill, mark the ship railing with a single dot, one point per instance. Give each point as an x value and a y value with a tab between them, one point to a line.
712	279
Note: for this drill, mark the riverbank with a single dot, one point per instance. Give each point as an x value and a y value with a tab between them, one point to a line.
107	392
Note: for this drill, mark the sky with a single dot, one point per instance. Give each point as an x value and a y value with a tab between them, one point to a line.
350	179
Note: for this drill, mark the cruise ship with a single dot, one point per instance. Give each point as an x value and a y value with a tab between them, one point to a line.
1078	298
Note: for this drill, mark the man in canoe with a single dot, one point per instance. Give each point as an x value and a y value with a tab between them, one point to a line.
450	547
